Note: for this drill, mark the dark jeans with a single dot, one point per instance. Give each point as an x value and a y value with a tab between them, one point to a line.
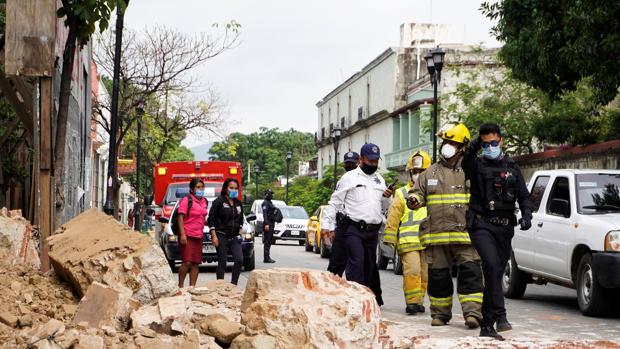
493	243
232	243
267	236
338	254
361	266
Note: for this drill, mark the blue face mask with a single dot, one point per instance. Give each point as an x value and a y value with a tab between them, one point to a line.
233	193
491	152
199	194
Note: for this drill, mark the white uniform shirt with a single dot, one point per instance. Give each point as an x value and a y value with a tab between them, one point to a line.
359	196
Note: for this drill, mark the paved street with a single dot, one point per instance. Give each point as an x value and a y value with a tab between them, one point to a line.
549	312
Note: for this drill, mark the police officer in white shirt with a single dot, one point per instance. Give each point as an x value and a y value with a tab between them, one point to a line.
363	194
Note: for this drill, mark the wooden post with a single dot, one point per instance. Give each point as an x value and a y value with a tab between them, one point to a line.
46	180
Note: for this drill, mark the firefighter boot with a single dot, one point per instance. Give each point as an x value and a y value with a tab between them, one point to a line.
503	325
438	322
471	322
411	309
487	330
421	308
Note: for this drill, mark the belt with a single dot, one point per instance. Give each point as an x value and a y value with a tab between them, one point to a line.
495	220
362	225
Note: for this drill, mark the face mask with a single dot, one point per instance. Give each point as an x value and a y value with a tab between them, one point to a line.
448	151
492	152
369	169
199	194
233	193
349	167
415	177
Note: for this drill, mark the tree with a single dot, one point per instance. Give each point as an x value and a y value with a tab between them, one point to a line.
82	18
554	44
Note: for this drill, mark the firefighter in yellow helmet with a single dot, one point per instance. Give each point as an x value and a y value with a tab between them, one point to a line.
443	190
402	230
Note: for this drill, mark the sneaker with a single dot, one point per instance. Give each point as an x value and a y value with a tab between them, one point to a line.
438	322
411	309
489	331
269	261
471	322
421	308
503	325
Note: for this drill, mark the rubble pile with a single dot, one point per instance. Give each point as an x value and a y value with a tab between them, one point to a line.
18	245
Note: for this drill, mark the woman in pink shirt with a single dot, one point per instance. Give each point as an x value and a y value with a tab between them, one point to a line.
191	225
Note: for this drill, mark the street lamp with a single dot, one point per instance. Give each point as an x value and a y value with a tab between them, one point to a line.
336	132
256	170
289	157
138	207
434	63
108	208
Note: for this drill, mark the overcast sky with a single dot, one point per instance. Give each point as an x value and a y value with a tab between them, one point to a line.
294	52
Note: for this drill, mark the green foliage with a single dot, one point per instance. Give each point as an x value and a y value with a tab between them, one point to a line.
87	16
267	148
529	116
554	44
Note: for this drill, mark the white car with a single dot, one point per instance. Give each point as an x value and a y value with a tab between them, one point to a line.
258	211
294	225
574	240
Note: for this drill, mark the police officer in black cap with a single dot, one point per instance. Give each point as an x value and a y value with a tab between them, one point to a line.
338	255
268	225
496	185
362	196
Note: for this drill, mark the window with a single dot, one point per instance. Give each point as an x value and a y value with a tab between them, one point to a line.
342	122
323	133
559	199
349	111
360	113
331	128
538	190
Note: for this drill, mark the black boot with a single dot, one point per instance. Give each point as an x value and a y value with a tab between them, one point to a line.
421	308
488	331
411	309
503	325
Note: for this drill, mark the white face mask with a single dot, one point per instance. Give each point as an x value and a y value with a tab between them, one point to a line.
415	177
448	151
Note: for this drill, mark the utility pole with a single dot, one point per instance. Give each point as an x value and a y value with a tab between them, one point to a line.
109	207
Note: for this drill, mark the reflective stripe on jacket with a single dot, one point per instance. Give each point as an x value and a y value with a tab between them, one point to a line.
403	225
445	193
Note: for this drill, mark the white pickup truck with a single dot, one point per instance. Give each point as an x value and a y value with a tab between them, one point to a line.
574	240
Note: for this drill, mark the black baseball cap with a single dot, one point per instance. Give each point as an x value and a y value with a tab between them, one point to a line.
371	151
351	156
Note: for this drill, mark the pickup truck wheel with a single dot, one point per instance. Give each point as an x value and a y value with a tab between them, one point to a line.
382	261
593	299
514	281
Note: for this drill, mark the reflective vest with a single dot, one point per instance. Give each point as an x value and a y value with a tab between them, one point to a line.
409	228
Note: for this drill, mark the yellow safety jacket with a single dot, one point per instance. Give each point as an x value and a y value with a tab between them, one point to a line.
445	193
403	224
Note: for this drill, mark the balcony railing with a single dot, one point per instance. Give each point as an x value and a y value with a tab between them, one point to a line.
399	158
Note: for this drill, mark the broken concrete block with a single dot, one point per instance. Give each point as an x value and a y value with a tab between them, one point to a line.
69	309
261	341
95	247
169	316
310	308
17	244
105	306
224	330
8	318
51	329
87	341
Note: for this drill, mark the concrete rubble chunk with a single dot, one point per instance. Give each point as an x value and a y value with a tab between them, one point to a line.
261	341
17	244
87	341
310	309
8	318
51	329
224	330
103	305
95	247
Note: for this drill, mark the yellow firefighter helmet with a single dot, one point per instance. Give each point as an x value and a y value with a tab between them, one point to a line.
418	160
457	133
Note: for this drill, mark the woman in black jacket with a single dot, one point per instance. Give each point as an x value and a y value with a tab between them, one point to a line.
225	223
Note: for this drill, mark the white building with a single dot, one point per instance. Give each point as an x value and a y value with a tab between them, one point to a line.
389	101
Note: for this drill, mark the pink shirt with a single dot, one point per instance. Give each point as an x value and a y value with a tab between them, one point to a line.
195	220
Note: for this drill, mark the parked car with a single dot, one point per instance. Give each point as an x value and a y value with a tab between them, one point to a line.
257	210
574	240
293	227
169	243
313	238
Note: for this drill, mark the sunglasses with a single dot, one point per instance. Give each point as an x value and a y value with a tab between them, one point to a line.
493	143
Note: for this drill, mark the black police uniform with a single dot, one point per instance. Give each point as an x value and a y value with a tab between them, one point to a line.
495	187
268	209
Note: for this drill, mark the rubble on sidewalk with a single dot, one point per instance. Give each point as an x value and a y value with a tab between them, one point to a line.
309	309
95	247
17	244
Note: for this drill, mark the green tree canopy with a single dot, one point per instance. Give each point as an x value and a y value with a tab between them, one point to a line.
554	44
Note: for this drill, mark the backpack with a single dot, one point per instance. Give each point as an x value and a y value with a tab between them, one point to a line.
276	215
174	220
